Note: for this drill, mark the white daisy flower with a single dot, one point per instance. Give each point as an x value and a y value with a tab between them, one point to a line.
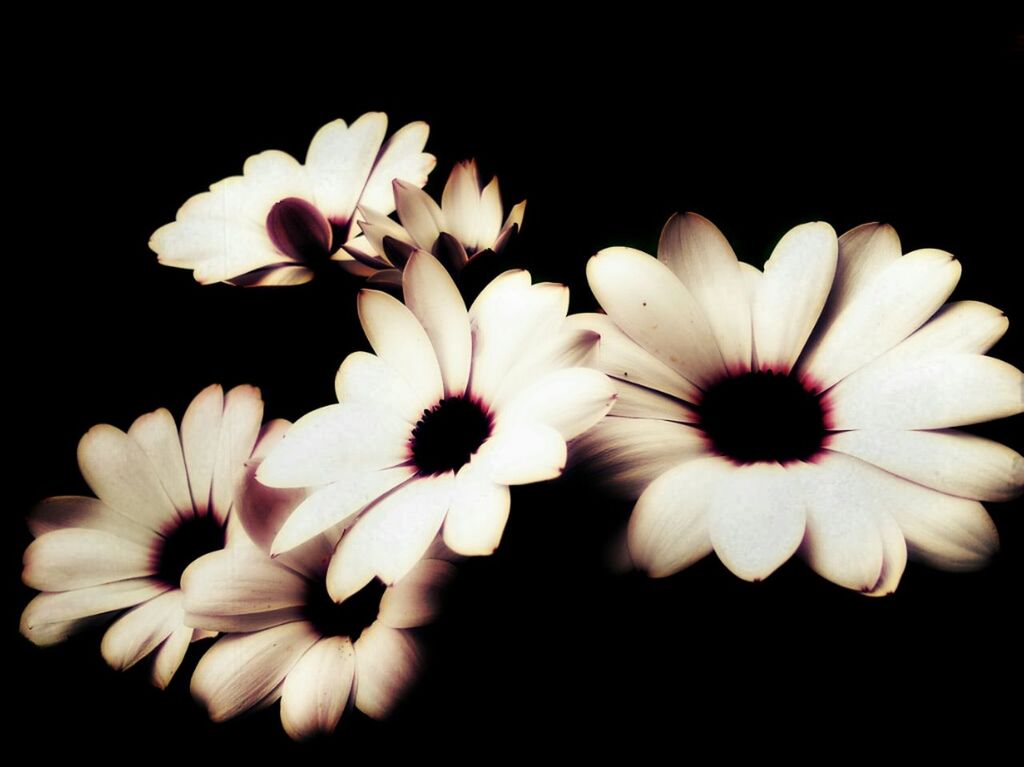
286	638
281	221
466	225
809	408
453	408
163	499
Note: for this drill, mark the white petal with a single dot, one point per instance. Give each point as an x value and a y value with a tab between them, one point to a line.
844	539
403	159
884	312
366	378
419	214
139	632
53	617
460	203
78	511
757	518
279	275
926	393
200	433
489	224
217	249
330	442
864	252
387	662
376	226
510	319
478	513
241	670
432	296
157	435
621	357
240	581
570	401
397	530
951	462
700	256
333	504
399	339
894	557
797	279
170	655
240	426
628	453
563	349
350	569
339	161
415	600
123	477
962	327
669	528
317	689
634	401
646	300
521	453
77	557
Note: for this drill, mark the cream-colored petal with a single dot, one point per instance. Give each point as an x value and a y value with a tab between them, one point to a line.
415	600
317	690
76	558
387	663
477	515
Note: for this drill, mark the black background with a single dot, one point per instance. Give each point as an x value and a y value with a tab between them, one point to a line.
608	132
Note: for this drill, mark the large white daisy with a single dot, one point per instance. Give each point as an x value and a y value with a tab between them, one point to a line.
286	638
281	220
431	430
467	225
163	499
809	408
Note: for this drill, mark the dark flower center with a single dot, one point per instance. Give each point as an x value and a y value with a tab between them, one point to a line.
448	434
347	619
185	543
301	231
762	416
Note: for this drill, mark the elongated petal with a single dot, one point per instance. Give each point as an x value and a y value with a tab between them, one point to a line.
521	453
864	252
399	339
123	477
570	401
53	617
139	632
632	401
489	224
884	312
240	581
564	349
402	158
241	670
419	214
629	453
951	462
700	256
240	426
328	443
962	327
72	511
796	283
170	655
387	662
435	300
78	557
646	300
157	435
200	435
335	503
366	378
621	357
415	600
894	557
927	393
478	513
340	159
757	519
317	690
460	202
669	529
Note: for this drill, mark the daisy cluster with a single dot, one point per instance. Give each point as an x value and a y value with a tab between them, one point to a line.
811	408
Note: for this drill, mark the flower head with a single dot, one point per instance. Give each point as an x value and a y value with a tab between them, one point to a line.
281	220
163	500
454	407
809	408
286	638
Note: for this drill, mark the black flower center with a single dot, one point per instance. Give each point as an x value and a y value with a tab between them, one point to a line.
762	416
448	434
185	543
301	231
347	619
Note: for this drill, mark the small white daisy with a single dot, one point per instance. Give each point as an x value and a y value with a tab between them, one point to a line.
286	638
454	407
281	221
808	408
466	225
163	499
